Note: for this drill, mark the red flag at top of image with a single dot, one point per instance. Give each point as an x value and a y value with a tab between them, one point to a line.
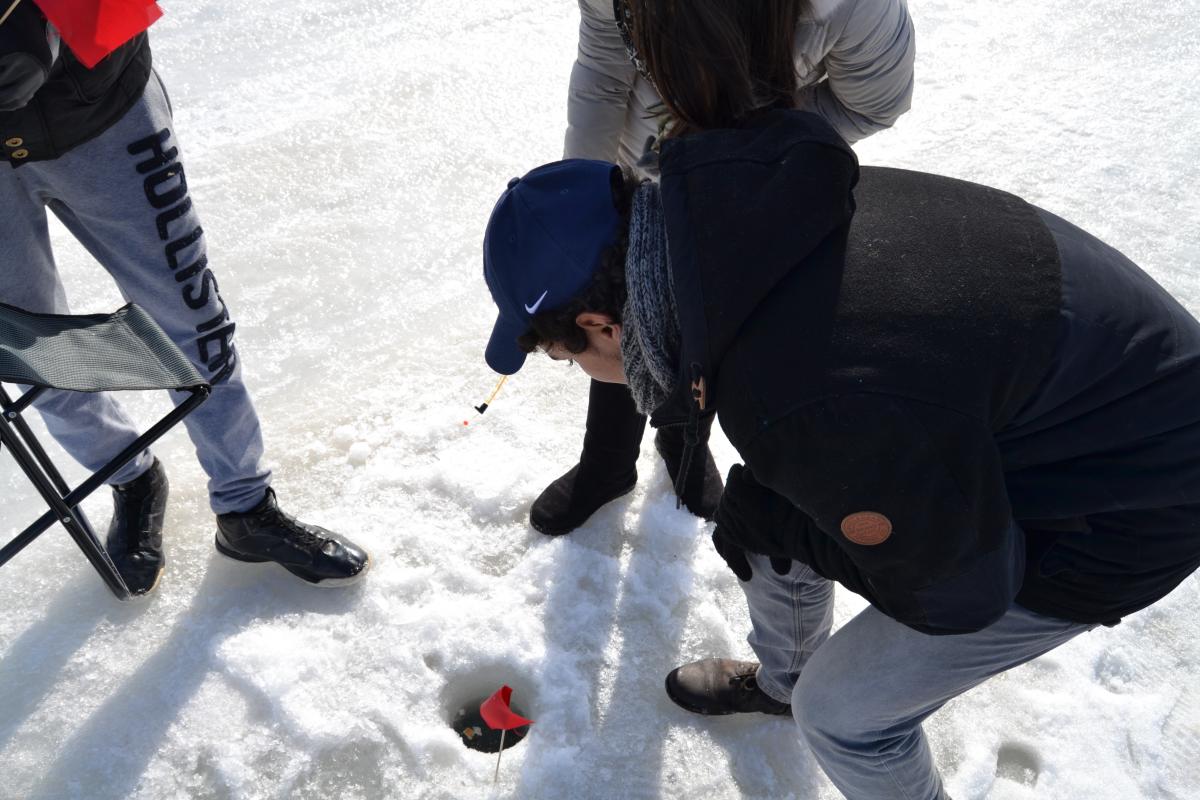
95	28
498	715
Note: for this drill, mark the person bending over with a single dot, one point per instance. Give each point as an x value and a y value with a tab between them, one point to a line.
959	406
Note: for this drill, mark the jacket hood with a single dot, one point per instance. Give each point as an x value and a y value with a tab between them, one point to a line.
743	209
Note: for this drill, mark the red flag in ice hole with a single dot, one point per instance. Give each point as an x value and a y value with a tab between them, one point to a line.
95	28
498	715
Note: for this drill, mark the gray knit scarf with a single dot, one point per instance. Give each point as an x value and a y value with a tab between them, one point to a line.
650	332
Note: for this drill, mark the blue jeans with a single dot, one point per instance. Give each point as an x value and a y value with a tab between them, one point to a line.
860	695
124	196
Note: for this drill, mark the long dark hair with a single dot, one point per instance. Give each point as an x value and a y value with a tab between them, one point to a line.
715	63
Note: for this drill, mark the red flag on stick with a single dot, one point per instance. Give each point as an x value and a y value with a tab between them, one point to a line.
95	28
498	715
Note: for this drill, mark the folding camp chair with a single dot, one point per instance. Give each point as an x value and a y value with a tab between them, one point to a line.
122	351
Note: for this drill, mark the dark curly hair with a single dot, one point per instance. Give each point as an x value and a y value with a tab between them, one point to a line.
604	295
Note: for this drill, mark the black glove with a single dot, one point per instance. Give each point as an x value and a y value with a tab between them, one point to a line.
27	51
735	556
752	518
20	77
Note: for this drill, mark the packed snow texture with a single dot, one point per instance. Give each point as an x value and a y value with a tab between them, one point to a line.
344	156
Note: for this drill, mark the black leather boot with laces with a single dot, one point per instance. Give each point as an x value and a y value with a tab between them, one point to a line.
266	534
721	686
134	540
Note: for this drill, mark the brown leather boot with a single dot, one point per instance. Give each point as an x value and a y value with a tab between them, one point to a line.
721	686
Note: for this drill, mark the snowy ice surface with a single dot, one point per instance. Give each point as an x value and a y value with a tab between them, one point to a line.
344	155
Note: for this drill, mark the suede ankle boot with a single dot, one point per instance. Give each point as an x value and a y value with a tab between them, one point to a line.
607	466
703	487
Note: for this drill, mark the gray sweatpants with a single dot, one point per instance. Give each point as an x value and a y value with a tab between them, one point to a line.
124	196
860	695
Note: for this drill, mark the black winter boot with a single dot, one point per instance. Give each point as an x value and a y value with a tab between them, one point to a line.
703	488
134	540
313	554
607	466
721	686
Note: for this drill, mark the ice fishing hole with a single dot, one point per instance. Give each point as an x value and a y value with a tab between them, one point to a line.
1018	763
463	696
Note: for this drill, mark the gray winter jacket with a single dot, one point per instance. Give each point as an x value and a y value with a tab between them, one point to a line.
854	64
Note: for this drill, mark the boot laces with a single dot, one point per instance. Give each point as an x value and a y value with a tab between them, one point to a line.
297	532
746	681
301	534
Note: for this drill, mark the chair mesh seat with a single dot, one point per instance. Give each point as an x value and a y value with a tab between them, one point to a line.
125	350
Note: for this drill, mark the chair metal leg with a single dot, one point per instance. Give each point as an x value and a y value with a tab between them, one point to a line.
81	532
23	402
12	412
63	503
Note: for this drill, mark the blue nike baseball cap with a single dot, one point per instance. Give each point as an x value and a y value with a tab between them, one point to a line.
543	244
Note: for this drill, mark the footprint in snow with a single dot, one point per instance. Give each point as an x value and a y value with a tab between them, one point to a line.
1018	763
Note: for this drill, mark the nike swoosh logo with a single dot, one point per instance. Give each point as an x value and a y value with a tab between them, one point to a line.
533	308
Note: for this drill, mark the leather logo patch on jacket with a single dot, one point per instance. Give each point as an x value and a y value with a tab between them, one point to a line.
867	528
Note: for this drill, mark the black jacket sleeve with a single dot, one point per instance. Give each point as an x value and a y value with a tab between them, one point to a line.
25	55
900	501
25	32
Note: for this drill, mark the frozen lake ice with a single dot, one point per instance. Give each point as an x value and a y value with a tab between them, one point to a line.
344	157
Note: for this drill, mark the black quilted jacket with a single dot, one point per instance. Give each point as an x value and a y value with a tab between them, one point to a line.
75	103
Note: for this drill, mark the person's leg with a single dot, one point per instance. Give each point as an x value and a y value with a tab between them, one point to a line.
791	616
124	195
92	428
645	116
607	466
701	490
860	700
